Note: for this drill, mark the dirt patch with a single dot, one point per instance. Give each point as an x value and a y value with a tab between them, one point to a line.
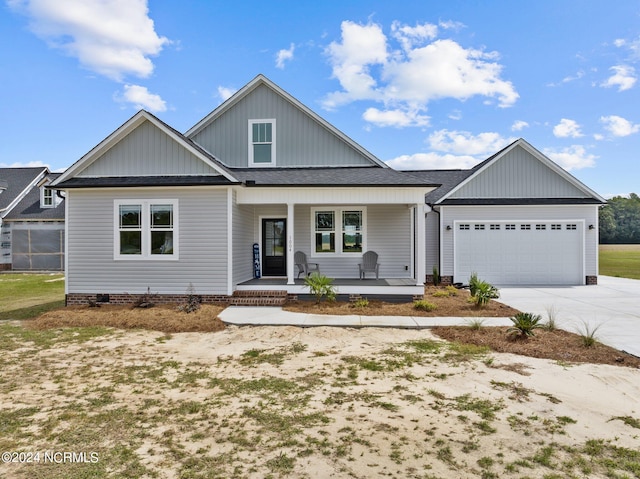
557	345
456	304
166	318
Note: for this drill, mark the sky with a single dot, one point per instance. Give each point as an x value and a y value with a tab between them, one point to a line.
421	84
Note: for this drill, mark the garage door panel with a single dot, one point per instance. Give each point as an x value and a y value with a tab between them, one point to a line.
524	253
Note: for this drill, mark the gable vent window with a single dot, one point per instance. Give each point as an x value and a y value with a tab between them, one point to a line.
262	142
541	227
572	227
495	227
556	227
510	227
525	227
479	227
464	227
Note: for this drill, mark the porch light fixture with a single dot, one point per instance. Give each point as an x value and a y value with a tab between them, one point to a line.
448	227
591	227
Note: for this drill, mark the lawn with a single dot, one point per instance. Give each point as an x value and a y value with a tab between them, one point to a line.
26	295
621	260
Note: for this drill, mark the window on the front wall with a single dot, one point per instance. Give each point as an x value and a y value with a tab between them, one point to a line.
262	142
146	229
47	198
338	230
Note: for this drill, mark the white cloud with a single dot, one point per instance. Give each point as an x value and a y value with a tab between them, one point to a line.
432	161
574	157
29	164
225	93
464	143
141	98
519	125
396	118
407	78
114	38
567	129
624	78
284	55
618	126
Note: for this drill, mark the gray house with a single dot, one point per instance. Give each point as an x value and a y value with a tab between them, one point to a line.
263	177
31	220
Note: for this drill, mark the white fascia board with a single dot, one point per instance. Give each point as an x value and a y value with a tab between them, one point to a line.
32	184
332	196
124	130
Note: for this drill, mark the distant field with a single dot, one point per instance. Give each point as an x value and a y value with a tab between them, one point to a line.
621	260
27	295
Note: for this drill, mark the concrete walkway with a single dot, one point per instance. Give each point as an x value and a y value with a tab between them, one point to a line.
613	306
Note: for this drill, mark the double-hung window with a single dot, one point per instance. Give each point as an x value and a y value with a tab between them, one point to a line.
262	142
146	229
338	230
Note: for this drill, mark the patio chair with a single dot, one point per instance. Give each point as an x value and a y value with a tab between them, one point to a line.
369	263
303	265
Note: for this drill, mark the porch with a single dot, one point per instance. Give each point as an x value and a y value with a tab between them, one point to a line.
404	287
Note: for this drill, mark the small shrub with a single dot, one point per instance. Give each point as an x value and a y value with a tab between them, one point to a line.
193	300
360	303
484	292
436	276
475	324
552	318
424	305
524	324
440	294
144	300
320	286
452	290
473	283
588	334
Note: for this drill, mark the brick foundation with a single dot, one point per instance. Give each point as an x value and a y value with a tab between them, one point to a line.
592	280
5	267
84	299
444	280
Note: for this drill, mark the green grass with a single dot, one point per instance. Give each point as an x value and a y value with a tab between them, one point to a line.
24	296
621	260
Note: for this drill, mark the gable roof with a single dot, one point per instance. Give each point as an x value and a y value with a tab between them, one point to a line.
125	129
593	197
262	80
16	183
29	207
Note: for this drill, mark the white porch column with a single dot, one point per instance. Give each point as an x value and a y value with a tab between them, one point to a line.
290	245
420	244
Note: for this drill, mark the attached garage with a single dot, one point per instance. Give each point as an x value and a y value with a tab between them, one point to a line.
520	252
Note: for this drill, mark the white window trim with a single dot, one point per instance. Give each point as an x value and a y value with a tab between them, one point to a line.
338	230
273	142
146	230
53	204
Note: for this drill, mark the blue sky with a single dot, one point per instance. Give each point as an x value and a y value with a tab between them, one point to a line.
431	84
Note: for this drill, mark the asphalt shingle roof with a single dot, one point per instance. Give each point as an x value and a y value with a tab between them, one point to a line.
29	207
16	181
133	181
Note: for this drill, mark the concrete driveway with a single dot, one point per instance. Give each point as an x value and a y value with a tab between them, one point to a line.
613	306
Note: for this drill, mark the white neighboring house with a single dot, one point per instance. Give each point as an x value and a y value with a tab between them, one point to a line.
31	220
152	209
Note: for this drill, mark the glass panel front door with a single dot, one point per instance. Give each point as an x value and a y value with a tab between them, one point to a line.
274	241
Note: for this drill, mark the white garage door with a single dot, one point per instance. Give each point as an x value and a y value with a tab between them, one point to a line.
519	252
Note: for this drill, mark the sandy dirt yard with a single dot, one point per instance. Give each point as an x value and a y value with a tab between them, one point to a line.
258	402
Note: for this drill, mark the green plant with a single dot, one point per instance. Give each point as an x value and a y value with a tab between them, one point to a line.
360	303
320	286
452	290
424	305
484	292
193	300
475	324
473	283
524	324
436	276
440	294
552	318
588	334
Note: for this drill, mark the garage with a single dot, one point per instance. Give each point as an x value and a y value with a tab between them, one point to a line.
520	252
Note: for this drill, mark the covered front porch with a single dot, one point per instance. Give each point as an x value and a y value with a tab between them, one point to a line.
344	286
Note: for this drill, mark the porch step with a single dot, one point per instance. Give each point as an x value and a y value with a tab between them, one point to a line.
258	298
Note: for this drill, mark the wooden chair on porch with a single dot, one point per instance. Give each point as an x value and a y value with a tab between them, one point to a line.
303	265
369	263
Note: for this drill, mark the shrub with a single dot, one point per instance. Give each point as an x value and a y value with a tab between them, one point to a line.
473	283
524	324
484	292
360	303
552	318
588	334
424	305
441	293
193	300
452	290
320	286
436	276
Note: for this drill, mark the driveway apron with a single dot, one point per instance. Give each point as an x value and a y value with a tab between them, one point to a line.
613	306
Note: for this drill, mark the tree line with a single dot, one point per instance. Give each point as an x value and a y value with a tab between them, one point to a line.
620	220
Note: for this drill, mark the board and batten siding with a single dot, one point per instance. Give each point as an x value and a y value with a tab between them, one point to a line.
388	234
432	242
243	240
202	244
520	213
147	150
300	140
518	174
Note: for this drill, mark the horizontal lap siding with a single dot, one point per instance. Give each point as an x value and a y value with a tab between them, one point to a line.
521	213
202	245
388	234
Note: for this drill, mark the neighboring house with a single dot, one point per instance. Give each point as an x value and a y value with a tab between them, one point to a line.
31	220
151	209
